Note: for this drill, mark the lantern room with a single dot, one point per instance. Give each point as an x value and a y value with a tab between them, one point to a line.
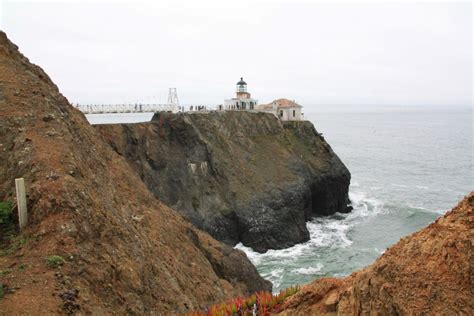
241	85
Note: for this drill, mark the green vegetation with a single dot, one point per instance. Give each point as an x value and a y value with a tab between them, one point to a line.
13	244
1	291
264	302
5	272
22	267
54	261
8	229
6	213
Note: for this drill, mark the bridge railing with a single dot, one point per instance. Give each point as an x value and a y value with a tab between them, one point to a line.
124	108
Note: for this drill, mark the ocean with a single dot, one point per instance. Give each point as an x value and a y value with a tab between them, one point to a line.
408	165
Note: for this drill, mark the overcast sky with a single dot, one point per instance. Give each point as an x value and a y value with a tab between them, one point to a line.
320	54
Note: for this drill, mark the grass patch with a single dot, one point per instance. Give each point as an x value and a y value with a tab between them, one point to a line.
22	267
13	244
54	261
8	229
5	272
2	292
6	213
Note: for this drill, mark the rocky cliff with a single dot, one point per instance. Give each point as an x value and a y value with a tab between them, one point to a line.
240	176
430	272
98	241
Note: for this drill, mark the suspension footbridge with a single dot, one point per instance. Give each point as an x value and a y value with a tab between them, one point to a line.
142	107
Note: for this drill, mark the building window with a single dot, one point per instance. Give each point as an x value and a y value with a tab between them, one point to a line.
281	113
294	113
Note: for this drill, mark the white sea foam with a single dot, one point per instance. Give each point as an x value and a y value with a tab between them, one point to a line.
426	209
255	257
421	187
309	270
275	276
364	206
379	251
399	185
356	197
326	234
282	255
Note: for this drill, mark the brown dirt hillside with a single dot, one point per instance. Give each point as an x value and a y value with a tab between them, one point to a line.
124	251
430	272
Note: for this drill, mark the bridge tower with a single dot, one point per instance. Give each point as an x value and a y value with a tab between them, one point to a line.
173	101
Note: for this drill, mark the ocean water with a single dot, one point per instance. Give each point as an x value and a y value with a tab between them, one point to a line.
408	166
116	118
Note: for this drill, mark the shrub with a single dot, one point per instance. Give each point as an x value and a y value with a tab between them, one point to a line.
54	261
14	243
6	210
264	301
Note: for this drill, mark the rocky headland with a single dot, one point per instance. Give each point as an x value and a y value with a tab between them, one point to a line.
240	176
98	241
430	272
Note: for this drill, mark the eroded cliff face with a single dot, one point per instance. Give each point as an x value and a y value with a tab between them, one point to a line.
430	272
240	176
125	252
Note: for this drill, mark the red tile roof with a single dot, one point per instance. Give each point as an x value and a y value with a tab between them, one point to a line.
281	103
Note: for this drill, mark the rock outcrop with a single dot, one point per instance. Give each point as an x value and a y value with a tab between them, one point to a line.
98	241
430	272
240	176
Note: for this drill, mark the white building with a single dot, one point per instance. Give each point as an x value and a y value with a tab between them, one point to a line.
284	109
242	101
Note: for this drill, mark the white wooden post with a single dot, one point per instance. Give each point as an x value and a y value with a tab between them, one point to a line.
21	202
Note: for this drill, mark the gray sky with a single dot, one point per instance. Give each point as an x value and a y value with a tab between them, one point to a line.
320	54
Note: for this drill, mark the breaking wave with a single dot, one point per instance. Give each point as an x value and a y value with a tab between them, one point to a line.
328	234
309	270
424	209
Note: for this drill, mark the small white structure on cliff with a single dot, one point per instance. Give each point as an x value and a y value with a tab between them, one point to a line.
242	100
284	109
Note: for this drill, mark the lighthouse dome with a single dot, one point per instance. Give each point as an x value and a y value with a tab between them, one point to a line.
241	82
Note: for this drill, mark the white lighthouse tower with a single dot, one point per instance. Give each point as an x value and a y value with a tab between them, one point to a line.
242	100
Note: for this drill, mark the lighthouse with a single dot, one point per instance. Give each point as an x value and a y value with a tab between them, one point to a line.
242	90
242	101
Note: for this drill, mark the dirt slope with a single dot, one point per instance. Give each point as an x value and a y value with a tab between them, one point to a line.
125	251
430	272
